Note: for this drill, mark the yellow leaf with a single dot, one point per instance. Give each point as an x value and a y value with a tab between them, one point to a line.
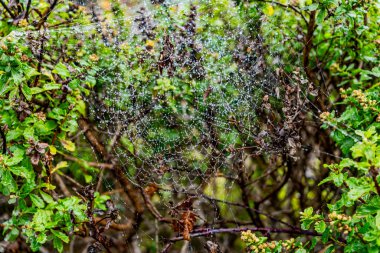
60	165
270	10
53	150
149	43
68	145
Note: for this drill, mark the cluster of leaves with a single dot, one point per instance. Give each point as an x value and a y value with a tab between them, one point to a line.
347	47
41	89
160	93
353	219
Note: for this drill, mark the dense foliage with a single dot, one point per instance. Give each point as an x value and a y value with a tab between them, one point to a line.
215	125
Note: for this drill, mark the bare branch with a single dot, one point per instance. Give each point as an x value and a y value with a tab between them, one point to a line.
208	232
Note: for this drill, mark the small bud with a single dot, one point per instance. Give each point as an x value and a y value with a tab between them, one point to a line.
4	47
94	58
149	44
24	57
23	23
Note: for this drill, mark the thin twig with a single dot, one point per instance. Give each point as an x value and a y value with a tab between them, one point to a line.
254	229
92	164
62	185
7	9
235	204
167	247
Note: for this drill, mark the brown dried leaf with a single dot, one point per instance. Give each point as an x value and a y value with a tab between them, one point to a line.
188	220
151	189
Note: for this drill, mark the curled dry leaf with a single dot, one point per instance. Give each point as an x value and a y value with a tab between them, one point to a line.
188	219
185	224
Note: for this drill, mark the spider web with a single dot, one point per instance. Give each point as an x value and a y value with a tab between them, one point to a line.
188	130
183	149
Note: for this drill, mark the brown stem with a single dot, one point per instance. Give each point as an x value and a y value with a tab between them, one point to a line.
62	185
167	247
131	191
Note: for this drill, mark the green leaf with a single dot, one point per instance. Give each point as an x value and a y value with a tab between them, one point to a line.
29	71
10	185
61	70
81	107
16	76
14	134
36	90
320	226
370	207
60	235
321	15
34	245
5	88
369	152
58	245
306	223
47	198
327	179
308	212
23	172
18	155
358	187
27	92
37	201
358	150
29	133
52	86
378	220
346	163
12	235
351	116
330	249
41	218
41	238
45	128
